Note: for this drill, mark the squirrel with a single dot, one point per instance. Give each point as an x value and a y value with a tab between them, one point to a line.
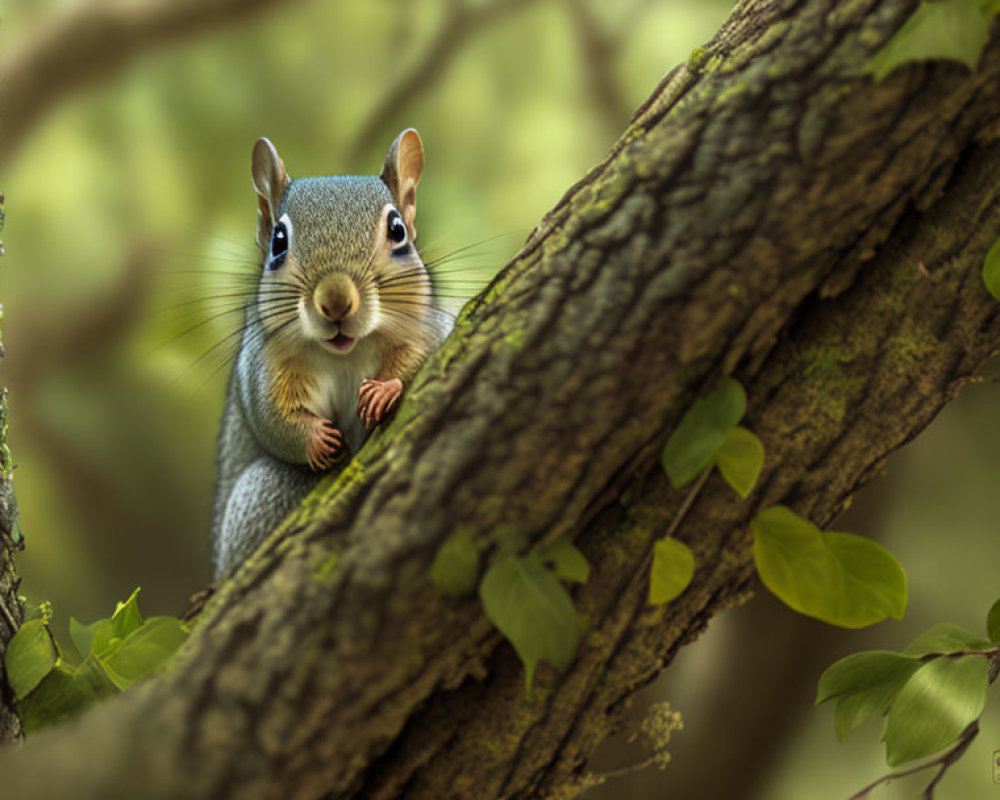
340	321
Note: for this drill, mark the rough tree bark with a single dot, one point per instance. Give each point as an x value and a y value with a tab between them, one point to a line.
10	542
771	213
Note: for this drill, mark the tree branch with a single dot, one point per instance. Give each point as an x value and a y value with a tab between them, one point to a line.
55	347
599	52
464	21
950	756
10	541
943	762
766	215
86	42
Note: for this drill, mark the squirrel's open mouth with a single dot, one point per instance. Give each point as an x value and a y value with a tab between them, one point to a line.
341	342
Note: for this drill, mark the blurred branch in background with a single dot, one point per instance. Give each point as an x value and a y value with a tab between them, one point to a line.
89	42
600	50
92	330
463	22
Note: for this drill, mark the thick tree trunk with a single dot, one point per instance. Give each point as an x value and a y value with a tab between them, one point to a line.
772	213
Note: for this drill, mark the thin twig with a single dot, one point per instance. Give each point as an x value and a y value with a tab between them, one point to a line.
631	769
463	22
953	755
942	761
692	495
990	652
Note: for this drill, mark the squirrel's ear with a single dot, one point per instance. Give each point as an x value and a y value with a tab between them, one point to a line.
270	179
404	164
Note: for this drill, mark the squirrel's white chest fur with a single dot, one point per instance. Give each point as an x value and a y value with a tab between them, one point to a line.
337	381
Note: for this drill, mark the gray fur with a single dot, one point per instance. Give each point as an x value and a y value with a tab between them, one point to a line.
255	491
261	467
353	202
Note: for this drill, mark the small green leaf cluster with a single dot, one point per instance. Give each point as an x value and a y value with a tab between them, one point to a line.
521	595
50	683
928	693
840	578
951	30
708	436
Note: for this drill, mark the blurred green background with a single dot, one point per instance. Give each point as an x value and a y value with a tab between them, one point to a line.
129	202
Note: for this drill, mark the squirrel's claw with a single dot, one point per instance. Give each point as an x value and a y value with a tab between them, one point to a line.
376	399
325	447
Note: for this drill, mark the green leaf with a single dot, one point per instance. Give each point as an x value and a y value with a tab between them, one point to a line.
672	570
93	670
993	623
126	618
144	651
105	635
701	430
64	692
16	534
567	561
952	30
863	684
532	609
861	671
945	638
83	635
456	565
940	699
991	270
31	655
840	578
739	459
102	639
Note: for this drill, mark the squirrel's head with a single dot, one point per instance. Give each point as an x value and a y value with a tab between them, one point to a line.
342	248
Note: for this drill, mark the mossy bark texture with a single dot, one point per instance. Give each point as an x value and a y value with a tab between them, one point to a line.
10	606
771	213
10	542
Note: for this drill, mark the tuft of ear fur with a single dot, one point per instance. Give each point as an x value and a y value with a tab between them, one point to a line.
404	164
270	179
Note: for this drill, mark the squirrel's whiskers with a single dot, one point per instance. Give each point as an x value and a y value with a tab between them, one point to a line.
338	318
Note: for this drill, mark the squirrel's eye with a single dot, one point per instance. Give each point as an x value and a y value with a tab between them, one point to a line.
279	245
395	229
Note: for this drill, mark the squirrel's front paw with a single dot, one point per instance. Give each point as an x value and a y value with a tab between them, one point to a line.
326	445
376	398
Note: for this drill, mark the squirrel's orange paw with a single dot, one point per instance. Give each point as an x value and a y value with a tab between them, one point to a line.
325	447
376	398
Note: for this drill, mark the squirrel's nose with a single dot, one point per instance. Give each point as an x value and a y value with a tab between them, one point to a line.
336	297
